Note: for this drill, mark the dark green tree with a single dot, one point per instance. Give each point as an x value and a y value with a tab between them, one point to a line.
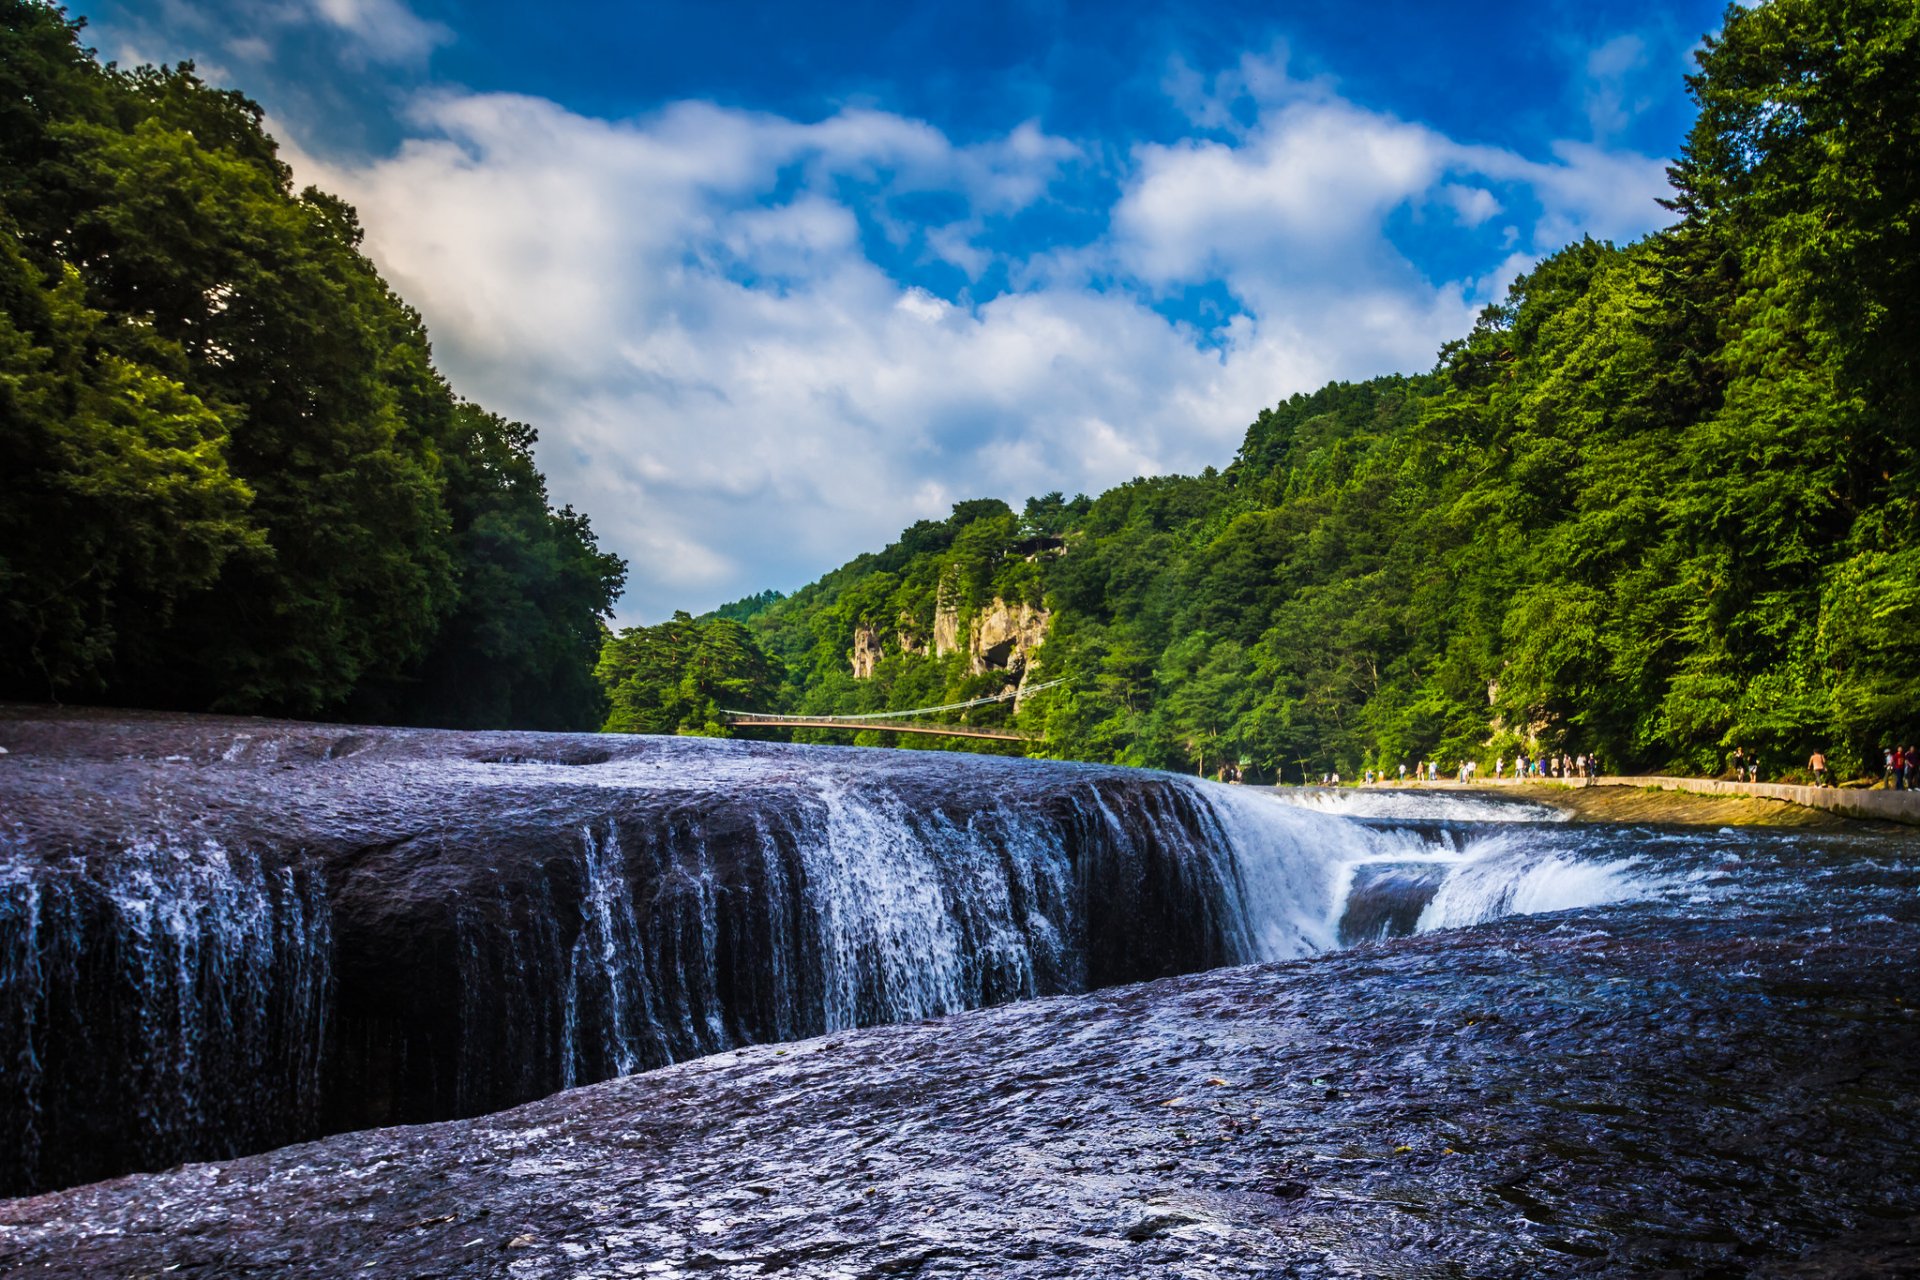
681	675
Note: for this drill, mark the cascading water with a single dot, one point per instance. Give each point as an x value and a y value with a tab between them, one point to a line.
425	934
170	1002
603	965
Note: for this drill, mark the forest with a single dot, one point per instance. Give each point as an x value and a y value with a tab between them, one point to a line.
231	478
1661	503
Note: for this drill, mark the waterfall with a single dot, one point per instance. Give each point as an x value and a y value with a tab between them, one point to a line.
166	1003
604	962
515	924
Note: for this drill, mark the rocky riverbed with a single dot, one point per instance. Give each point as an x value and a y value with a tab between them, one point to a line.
1629	1095
223	935
1483	1040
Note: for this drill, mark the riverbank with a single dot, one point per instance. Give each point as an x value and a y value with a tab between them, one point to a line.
1697	801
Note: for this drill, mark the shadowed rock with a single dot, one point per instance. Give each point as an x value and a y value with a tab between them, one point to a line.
218	935
1640	1095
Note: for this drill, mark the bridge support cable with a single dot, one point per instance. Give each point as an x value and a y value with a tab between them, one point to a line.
898	721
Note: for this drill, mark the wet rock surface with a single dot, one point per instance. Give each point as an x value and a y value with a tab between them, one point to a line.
1636	1092
219	935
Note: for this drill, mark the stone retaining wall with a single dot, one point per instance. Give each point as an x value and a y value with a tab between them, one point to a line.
1854	802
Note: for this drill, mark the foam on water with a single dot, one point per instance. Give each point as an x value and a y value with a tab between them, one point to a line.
675	912
1414	806
1501	877
1299	865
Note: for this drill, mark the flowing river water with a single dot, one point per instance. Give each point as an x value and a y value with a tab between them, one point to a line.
219	937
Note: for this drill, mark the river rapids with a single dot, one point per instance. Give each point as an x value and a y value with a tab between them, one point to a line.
891	1013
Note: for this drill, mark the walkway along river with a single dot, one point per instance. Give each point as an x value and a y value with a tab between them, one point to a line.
1868	803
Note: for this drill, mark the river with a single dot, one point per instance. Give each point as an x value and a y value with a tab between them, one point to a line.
226	936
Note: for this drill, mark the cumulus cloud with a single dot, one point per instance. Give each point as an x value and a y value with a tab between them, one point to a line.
699	311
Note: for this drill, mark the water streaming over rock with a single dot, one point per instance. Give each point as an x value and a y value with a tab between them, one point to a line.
383	927
167	1003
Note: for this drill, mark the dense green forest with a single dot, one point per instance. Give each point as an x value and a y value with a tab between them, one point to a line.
230	477
1661	502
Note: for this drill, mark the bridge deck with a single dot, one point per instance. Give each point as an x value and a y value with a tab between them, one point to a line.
890	726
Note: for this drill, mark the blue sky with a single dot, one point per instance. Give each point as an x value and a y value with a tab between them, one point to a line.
775	280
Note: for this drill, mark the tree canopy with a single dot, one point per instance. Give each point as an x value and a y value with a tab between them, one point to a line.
230	476
1663	501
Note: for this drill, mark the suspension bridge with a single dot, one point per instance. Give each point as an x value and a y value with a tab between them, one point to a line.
902	721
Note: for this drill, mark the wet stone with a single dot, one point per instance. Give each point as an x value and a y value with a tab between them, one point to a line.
1599	1053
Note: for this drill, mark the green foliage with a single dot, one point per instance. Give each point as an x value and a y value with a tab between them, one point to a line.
116	501
234	479
680	676
1663	501
521	644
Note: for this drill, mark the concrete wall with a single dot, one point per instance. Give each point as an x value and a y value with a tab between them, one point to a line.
1854	802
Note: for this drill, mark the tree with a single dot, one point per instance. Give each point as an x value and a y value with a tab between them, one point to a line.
234	479
681	675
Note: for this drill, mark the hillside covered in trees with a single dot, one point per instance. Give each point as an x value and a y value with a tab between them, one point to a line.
1663	501
230	477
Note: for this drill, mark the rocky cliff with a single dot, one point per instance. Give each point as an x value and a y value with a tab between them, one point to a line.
866	652
1001	637
1004	636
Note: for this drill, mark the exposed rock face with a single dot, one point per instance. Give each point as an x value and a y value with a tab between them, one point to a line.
866	652
909	635
1603	1097
1004	636
222	934
946	624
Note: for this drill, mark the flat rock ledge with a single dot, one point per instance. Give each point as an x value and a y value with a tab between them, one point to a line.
1617	1095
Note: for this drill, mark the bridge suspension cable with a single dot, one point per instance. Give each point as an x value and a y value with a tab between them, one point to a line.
1003	696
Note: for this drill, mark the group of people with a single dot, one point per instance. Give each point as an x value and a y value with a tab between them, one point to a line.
1901	764
1560	765
1898	765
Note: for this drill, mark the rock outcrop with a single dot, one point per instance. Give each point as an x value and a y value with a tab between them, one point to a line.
946	625
866	653
909	635
1004	636
1535	1099
218	935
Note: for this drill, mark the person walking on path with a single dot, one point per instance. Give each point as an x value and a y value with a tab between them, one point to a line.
1817	765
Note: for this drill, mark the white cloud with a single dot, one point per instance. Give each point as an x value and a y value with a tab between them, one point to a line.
384	30
1471	205
742	397
250	32
1610	103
